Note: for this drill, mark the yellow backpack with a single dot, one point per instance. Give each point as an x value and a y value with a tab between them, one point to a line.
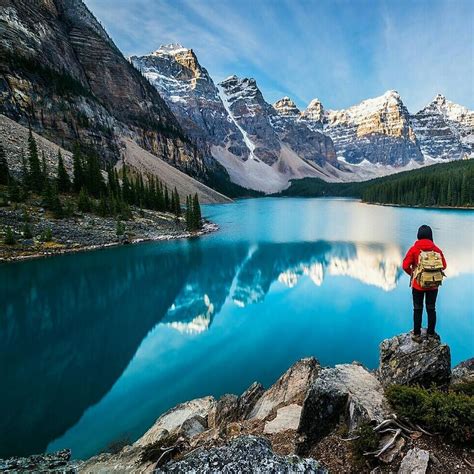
429	271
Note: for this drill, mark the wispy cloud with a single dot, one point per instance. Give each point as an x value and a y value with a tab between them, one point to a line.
340	51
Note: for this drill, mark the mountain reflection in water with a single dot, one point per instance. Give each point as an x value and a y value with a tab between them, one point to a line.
96	345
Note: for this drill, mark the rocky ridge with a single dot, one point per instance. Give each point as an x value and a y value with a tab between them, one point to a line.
257	144
61	74
263	146
445	130
267	430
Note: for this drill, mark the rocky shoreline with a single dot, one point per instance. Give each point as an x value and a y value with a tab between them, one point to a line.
305	422
88	232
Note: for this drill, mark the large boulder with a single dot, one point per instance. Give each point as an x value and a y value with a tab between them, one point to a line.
345	392
291	387
463	372
249	398
406	362
242	454
182	417
224	411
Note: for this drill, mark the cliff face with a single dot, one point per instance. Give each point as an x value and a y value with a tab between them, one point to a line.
62	74
376	130
445	130
261	146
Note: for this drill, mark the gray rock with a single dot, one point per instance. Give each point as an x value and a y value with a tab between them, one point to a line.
174	419
403	361
348	392
249	398
225	410
53	462
415	462
287	418
463	372
291	387
193	426
243	454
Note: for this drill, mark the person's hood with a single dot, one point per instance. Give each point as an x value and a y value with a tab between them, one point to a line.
425	244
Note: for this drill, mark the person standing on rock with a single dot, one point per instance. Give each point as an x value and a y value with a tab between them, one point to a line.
424	262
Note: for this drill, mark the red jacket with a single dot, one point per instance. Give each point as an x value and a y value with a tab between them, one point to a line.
411	259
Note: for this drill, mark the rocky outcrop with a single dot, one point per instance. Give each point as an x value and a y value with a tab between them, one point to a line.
376	130
403	361
54	462
243	454
173	420
346	392
61	73
415	462
261	146
445	130
290	388
192	95
463	372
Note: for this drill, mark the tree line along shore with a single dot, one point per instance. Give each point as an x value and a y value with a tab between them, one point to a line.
51	206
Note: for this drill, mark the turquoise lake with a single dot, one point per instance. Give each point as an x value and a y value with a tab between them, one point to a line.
95	346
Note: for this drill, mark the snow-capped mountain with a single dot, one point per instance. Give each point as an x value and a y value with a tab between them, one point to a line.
376	130
445	130
262	146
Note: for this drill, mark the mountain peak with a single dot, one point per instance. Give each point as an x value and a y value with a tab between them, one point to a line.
171	49
286	106
314	111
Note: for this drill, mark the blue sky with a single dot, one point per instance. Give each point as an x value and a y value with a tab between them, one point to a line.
340	51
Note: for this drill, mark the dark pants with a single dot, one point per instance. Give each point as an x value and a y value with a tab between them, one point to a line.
430	300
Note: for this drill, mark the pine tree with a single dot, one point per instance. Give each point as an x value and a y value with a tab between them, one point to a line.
78	171
62	179
35	174
14	192
4	171
10	238
27	234
197	219
189	214
84	203
177	203
93	177
167	199
126	189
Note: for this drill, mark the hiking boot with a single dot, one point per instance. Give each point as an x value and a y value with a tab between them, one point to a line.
434	336
416	338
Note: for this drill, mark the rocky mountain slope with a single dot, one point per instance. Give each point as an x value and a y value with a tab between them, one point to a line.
377	130
445	130
63	75
263	146
258	144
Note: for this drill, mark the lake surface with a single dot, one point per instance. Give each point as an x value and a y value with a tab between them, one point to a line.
95	346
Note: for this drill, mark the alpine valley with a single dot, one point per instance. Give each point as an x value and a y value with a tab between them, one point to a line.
63	76
263	146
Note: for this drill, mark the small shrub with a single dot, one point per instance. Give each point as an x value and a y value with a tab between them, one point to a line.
467	388
367	441
25	216
154	451
27	234
120	230
47	235
10	238
451	414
